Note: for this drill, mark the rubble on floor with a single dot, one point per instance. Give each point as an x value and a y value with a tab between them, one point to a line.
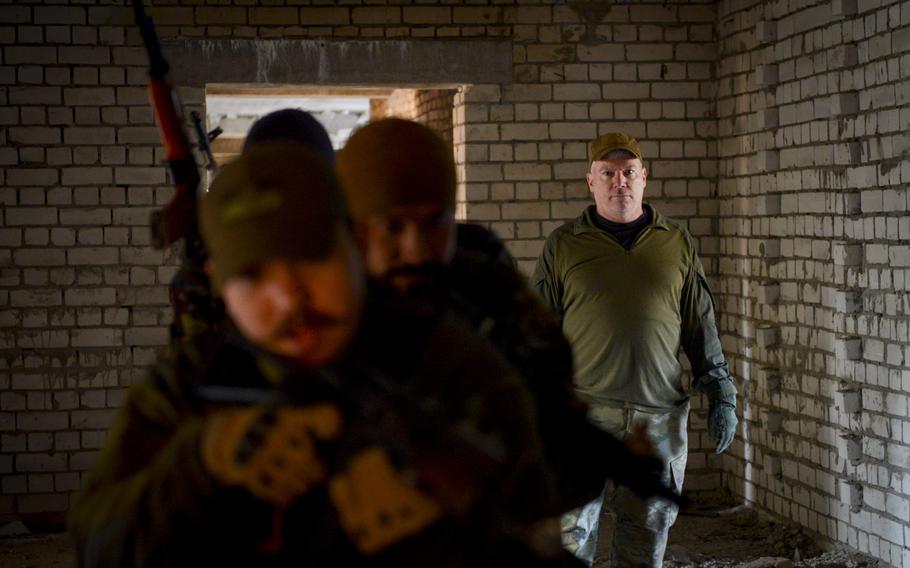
739	537
37	551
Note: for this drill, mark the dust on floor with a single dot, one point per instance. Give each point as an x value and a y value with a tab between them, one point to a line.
738	536
704	538
41	551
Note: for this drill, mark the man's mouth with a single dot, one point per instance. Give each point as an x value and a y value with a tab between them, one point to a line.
303	338
304	328
411	274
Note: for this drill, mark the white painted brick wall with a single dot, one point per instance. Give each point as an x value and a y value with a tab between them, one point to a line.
841	271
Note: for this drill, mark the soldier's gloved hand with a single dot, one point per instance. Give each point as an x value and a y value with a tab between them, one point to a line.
721	424
722	419
376	504
269	451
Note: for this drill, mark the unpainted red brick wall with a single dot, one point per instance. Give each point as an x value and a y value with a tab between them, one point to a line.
432	107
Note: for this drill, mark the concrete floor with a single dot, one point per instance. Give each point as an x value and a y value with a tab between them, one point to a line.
709	538
740	537
44	551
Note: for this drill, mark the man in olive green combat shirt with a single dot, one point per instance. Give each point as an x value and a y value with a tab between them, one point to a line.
630	289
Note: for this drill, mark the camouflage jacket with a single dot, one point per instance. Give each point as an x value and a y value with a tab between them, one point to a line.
150	502
496	301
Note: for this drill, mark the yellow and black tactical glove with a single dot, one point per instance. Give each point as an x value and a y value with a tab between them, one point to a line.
376	504
269	451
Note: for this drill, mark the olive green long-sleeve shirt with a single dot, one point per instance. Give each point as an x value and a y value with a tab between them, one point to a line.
628	312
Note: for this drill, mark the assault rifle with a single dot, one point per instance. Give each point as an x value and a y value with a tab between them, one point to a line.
412	427
194	306
453	462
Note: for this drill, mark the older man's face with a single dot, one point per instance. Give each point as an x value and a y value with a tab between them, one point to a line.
618	187
306	310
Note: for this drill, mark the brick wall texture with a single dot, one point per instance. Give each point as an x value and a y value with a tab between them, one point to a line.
814	295
774	130
432	107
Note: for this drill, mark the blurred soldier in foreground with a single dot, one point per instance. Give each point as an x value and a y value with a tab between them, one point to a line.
371	431
399	177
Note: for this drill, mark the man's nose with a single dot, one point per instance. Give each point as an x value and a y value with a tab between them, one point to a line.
288	289
414	245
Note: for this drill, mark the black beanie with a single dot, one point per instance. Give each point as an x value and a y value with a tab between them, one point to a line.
291	125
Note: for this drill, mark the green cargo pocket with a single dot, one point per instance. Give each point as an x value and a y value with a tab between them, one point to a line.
678	472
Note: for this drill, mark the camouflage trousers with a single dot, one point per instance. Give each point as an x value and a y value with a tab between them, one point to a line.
620	529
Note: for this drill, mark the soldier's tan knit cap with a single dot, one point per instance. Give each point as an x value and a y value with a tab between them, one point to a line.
606	143
278	200
394	162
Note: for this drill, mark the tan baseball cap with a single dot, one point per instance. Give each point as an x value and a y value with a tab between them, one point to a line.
606	143
278	200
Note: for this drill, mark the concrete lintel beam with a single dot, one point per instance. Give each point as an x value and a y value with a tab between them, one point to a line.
340	62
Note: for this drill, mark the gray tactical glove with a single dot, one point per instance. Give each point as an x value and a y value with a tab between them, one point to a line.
722	419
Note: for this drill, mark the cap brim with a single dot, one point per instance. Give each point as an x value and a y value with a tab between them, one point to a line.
603	153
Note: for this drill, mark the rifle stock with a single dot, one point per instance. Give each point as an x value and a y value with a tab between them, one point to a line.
409	425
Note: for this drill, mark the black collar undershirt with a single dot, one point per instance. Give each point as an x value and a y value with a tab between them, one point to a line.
625	233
